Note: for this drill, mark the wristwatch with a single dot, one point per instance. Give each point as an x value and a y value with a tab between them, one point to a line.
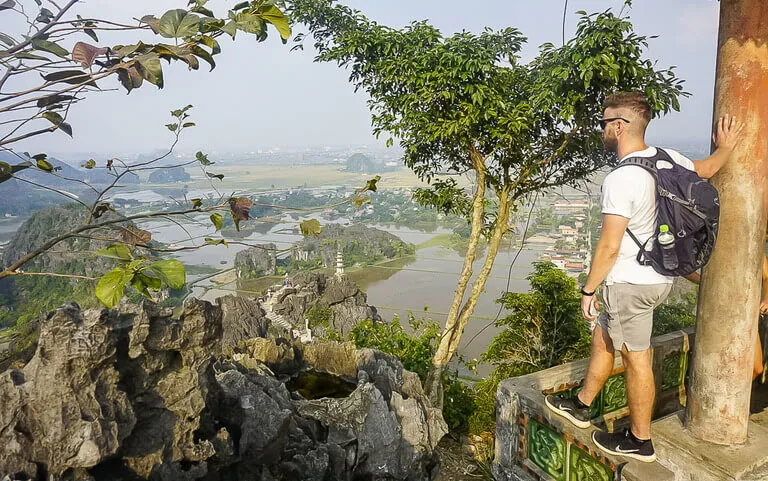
585	293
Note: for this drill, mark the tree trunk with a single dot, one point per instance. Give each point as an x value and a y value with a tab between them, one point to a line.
451	338
433	385
729	298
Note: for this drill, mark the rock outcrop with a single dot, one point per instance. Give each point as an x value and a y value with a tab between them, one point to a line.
135	393
359	243
308	290
256	262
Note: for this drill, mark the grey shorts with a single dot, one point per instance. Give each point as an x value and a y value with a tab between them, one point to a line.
627	313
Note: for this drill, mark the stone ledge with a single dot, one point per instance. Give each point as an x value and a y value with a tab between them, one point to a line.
519	402
693	460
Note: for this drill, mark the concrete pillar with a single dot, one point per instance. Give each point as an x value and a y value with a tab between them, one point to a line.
718	404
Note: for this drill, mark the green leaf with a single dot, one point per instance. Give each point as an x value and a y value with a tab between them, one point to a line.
178	24
5	169
44	165
230	28
148	66
273	15
203	11
171	272
54	117
310	227
172	127
203	158
90	164
50	47
180	112
211	43
197	203
216	242
53	100
7	39
111	286
218	221
215	176
152	21
130	78
73	77
91	33
116	251
360	200
250	23
203	54
31	56
241	6
66	128
188	125
371	184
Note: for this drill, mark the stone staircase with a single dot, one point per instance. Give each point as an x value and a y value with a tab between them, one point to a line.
278	320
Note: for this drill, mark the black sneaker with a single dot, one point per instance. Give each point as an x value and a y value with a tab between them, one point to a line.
569	409
624	443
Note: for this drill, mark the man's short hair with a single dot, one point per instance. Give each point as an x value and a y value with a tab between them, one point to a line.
635	101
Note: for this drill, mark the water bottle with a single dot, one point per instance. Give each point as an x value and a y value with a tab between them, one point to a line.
667	242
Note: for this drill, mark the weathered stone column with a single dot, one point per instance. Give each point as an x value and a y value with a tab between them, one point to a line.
718	405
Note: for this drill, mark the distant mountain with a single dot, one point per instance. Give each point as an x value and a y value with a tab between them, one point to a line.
18	197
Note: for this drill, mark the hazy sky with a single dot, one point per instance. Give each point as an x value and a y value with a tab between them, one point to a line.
263	95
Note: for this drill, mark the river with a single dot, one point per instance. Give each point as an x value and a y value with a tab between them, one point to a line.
411	284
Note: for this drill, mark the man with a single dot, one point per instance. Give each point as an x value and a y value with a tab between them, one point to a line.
631	290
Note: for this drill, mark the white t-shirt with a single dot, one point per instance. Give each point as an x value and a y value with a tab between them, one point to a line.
631	192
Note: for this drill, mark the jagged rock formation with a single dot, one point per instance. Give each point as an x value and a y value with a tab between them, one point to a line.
359	244
308	290
134	393
256	262
167	175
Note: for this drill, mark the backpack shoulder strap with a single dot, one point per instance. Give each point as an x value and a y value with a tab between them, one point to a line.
647	163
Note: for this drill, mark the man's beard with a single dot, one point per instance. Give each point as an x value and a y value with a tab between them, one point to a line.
611	144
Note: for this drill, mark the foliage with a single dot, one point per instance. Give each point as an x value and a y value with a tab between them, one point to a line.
414	349
320	316
467	103
459	404
545	327
678	312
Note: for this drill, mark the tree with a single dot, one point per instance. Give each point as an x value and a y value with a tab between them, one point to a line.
545	327
65	70
467	104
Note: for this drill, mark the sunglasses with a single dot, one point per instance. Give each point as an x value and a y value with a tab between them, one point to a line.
604	122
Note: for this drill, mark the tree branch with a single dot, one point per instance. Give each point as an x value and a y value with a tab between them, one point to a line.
55	19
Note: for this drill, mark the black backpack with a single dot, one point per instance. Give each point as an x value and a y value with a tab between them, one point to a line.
689	205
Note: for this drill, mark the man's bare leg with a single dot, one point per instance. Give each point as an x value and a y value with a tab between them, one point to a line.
641	390
600	365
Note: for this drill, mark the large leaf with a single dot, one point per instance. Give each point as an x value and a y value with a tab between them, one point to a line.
250	23
218	221
230	28
203	158
50	47
53	100
273	15
116	251
86	53
241	208
7	39
310	227
203	54
152	21
110	288
7	5
66	128
178	24
216	242
74	77
171	272
130	78
148	66
44	165
54	117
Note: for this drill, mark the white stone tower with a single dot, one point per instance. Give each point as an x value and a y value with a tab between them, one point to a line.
339	262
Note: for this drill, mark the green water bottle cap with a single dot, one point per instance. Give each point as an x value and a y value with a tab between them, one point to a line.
663	228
